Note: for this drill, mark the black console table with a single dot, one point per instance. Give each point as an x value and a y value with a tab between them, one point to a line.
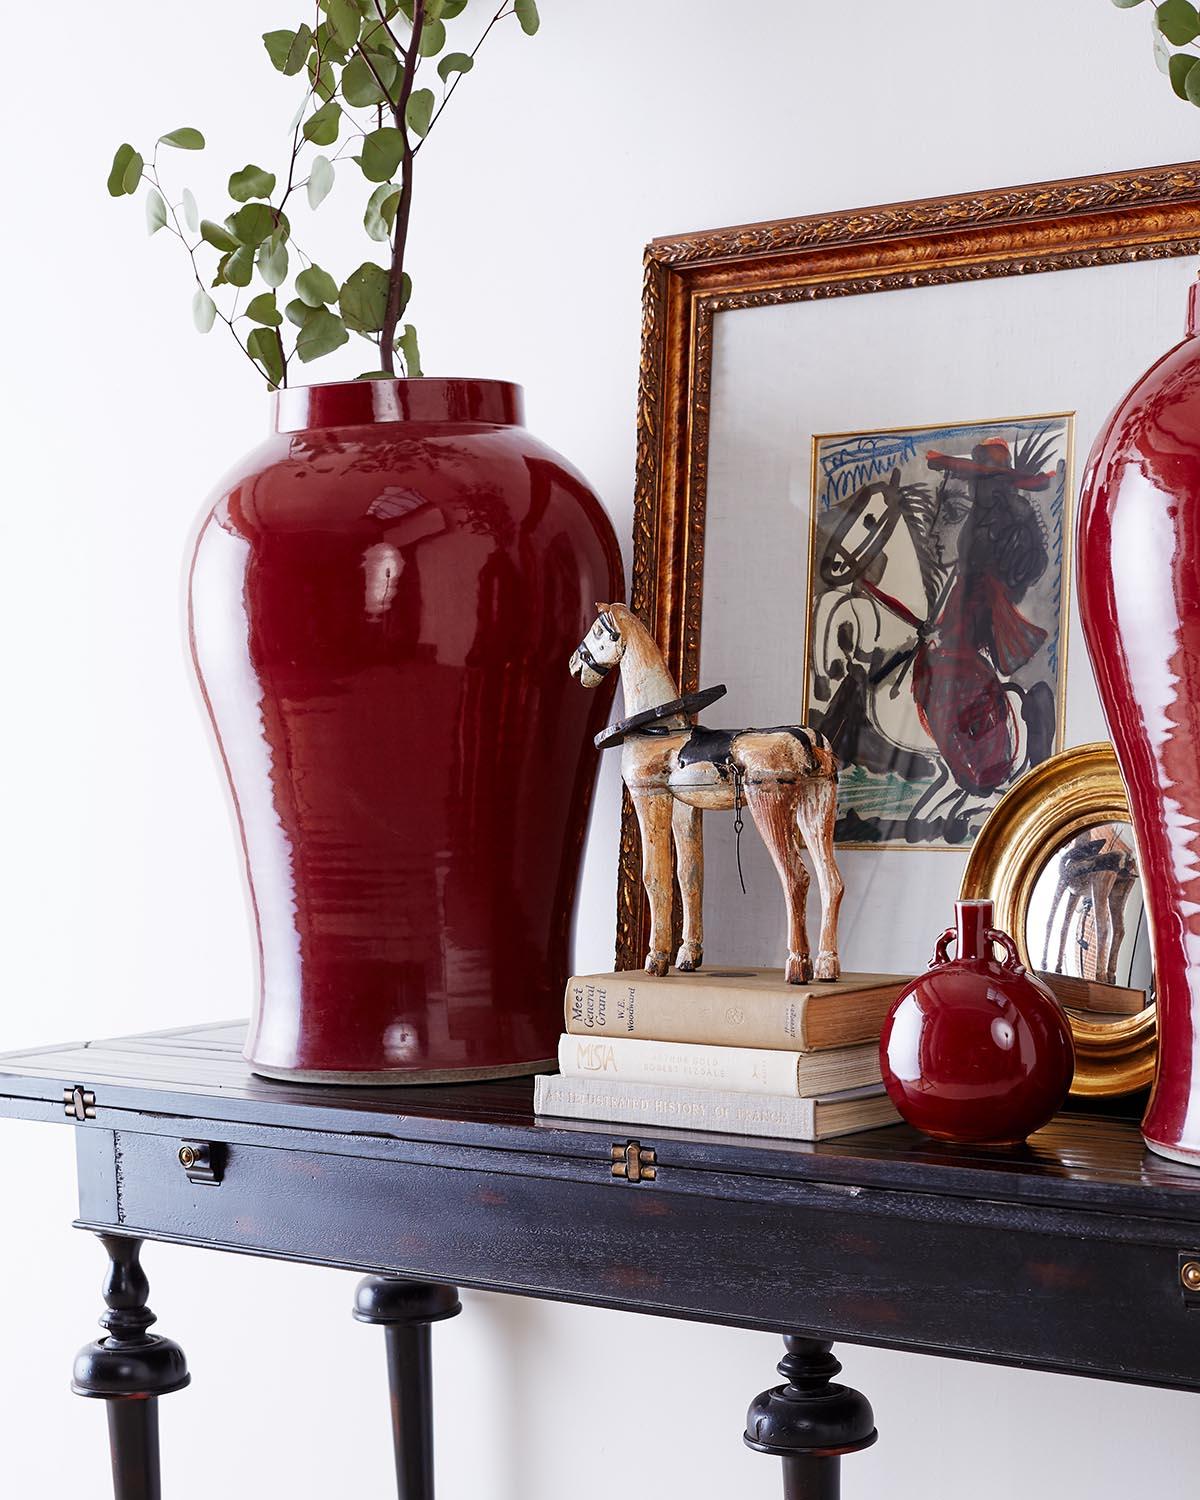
1079	1253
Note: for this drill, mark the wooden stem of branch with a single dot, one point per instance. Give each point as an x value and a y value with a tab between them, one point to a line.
391	317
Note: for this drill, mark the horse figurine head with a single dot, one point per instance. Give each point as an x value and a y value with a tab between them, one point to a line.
601	648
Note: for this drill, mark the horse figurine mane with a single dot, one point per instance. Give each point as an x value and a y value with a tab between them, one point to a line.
786	776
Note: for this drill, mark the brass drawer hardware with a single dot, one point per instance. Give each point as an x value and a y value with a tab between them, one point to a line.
202	1161
633	1162
79	1103
1189	1277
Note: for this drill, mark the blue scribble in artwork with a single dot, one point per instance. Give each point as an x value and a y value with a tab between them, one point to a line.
853	463
937	597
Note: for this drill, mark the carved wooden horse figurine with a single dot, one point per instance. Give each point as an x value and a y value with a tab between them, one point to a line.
786	776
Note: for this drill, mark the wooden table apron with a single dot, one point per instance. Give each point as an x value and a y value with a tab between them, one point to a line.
1057	1261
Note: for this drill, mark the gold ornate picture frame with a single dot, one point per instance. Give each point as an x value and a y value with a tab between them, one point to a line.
690	281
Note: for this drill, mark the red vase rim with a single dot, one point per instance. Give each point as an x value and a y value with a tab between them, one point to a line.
362	403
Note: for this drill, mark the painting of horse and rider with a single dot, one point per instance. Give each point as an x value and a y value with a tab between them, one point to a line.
938	586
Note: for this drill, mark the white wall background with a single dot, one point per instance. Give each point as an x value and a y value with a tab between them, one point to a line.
119	884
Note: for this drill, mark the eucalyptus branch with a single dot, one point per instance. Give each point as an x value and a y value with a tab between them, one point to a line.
391	314
366	80
174	227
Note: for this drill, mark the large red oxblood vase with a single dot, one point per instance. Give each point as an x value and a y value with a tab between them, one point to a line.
976	1049
383	601
1139	600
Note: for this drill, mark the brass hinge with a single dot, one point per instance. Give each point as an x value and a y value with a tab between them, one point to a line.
633	1162
79	1103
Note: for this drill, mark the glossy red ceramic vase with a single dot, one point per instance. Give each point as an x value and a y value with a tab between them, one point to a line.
1139	601
976	1049
383	602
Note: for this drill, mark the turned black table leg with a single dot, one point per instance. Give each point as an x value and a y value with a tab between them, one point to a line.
810	1422
405	1309
129	1369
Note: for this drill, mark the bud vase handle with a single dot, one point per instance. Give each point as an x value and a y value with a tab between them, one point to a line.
1012	959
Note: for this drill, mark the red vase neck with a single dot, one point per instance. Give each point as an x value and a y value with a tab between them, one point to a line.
361	403
1193	309
972	920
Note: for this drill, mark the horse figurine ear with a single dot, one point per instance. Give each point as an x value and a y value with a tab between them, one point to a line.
602	609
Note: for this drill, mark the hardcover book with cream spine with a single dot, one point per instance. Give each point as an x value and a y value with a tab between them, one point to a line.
743	1070
732	1008
719	1110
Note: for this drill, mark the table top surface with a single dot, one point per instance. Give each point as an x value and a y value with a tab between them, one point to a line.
198	1073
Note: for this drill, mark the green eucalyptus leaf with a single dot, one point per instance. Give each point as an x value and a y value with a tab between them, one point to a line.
455	62
345	20
363	298
252	224
1178	69
382	151
323	332
236	268
316	287
381	211
204	310
433	38
133	173
272	260
217	235
320	180
191	214
289	50
434	10
263	309
1126	4
263	347
419	112
322	127
1162	53
120	165
452	8
407	345
1178	20
156	211
298	312
331	49
251	182
1191	85
527	14
323	80
375	375
183	139
359	88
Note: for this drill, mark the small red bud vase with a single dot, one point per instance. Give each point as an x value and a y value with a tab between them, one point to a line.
976	1050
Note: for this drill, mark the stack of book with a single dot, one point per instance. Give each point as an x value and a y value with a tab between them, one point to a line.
735	1051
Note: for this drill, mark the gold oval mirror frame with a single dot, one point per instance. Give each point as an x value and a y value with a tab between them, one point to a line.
1037	816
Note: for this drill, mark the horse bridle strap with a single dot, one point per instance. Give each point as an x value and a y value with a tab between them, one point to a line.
601	668
647	721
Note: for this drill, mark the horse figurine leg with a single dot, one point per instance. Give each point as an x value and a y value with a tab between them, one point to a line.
687	827
653	808
772	805
816	816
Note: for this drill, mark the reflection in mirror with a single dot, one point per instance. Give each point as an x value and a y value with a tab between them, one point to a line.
1086	928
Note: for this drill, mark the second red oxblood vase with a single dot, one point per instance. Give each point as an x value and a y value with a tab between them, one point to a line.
1139	602
384	598
976	1049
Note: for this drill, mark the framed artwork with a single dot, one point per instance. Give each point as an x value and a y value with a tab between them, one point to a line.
856	475
938	580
